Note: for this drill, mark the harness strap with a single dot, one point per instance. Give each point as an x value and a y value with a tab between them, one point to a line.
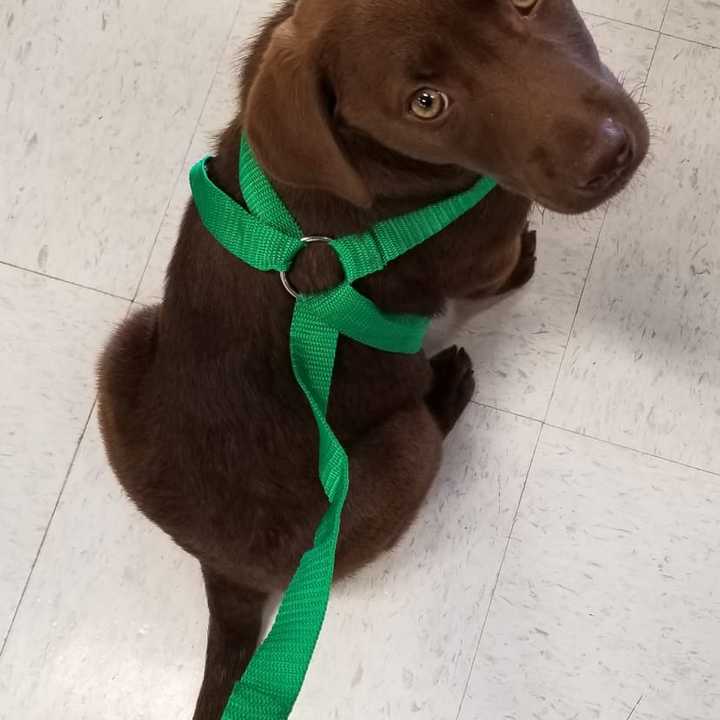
371	251
267	237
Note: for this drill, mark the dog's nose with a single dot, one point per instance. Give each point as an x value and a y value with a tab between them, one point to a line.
608	158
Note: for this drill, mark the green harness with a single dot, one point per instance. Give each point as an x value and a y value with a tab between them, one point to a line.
267	237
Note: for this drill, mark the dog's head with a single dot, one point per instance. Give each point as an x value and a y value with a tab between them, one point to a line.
514	89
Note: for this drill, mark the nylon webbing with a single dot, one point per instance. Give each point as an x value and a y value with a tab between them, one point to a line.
267	237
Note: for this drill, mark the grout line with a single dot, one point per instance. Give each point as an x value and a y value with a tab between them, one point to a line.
621	22
652	60
657	42
604	441
599	235
63	280
635	707
690	42
53	513
662	24
596	438
499	572
507	411
47	527
577	310
193	135
653	30
645	453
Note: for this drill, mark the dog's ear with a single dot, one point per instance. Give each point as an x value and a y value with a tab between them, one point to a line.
288	123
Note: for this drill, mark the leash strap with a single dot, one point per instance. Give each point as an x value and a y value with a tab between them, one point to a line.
267	237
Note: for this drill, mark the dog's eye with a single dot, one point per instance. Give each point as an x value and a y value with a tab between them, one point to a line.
525	6
428	104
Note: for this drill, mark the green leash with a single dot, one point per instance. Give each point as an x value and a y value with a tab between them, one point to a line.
267	237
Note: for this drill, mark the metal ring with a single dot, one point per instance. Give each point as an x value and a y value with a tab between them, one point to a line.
308	239
287	285
316	238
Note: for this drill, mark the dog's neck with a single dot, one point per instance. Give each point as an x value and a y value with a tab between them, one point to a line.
399	185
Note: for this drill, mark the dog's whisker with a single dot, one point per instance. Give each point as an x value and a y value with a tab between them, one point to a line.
638	90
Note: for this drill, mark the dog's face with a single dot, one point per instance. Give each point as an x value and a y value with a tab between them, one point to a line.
514	89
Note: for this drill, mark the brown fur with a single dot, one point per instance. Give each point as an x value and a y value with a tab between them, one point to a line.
204	424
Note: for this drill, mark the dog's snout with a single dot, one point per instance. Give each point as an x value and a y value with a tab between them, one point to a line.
608	158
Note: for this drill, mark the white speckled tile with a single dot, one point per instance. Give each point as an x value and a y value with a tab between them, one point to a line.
642	366
625	49
220	109
99	105
113	623
517	342
609	595
648	13
50	335
114	620
694	20
400	637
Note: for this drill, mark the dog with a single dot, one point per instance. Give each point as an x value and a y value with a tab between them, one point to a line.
358	110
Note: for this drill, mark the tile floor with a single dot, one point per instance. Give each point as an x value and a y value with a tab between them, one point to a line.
567	564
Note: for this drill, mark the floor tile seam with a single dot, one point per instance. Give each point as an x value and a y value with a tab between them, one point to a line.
52	515
597	438
193	135
46	531
595	249
499	573
65	281
600	16
637	450
640	26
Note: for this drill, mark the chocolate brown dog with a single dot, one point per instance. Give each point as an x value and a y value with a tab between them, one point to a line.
358	110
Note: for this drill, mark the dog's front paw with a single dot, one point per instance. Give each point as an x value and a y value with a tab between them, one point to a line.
453	386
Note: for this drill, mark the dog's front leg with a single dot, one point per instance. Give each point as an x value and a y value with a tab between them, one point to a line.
453	387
